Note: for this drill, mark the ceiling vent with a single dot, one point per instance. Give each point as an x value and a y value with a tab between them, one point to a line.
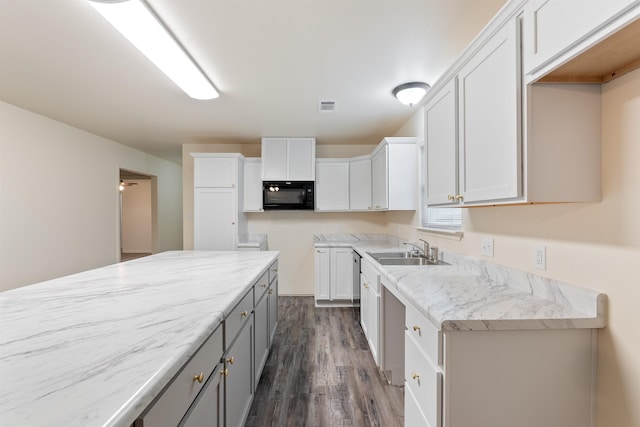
327	106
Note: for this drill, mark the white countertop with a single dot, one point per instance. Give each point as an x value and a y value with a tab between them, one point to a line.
110	339
472	294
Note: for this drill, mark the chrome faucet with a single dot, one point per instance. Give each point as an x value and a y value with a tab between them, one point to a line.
425	247
417	249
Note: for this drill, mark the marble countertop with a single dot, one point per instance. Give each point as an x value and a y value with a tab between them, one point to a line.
253	240
110	339
472	294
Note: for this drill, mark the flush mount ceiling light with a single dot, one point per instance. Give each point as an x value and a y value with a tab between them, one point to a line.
410	93
136	21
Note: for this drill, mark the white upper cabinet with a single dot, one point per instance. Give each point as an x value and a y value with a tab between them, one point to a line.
332	185
288	159
252	194
379	181
489	103
394	174
215	171
511	142
360	183
554	26
441	150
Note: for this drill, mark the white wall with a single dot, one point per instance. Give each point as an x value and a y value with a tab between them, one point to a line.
595	245
59	198
136	217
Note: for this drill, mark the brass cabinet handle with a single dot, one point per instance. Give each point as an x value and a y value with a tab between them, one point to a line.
450	197
224	372
231	360
244	314
459	197
270	291
415	376
263	285
416	328
366	285
275	270
199	378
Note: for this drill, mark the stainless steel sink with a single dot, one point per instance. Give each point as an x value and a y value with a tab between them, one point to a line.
403	258
394	255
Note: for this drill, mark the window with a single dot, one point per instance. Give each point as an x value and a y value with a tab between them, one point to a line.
438	218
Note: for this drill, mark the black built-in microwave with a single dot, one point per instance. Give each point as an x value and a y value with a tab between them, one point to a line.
287	195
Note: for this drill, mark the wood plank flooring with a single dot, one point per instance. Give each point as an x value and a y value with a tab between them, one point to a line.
320	373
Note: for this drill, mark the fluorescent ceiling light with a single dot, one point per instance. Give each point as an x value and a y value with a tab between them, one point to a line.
410	93
143	29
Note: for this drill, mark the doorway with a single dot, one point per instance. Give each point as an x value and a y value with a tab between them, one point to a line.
137	215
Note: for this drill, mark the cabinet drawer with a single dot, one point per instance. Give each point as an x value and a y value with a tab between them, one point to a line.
273	272
425	382
260	288
175	400
413	416
425	334
370	275
233	322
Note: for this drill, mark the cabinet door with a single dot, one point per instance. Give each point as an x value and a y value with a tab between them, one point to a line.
208	409
552	26
341	273
441	142
364	306
302	159
360	184
379	181
261	343
215	172
489	101
373	325
274	159
239	379
323	274
252	191
272	294
332	185
214	217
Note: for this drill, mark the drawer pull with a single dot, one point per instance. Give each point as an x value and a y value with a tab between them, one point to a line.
270	291
415	376
416	328
231	360
244	314
366	285
263	285
224	372
199	378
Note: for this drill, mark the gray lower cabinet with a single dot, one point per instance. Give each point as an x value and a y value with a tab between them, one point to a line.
208	408
272	295
239	376
261	328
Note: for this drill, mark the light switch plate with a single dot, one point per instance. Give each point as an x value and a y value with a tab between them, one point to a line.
540	257
487	247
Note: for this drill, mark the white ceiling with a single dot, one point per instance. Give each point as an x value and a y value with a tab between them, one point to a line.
272	61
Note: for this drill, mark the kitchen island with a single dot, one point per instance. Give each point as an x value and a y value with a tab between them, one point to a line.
96	348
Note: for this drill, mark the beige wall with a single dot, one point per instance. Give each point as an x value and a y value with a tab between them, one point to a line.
59	198
595	245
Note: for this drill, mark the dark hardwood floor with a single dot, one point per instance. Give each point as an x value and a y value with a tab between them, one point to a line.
320	373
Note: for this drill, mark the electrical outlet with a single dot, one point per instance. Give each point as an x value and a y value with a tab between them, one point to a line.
540	257
487	247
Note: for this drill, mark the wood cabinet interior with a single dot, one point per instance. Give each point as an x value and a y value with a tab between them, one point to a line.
613	57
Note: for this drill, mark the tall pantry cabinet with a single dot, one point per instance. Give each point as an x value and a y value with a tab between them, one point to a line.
218	216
